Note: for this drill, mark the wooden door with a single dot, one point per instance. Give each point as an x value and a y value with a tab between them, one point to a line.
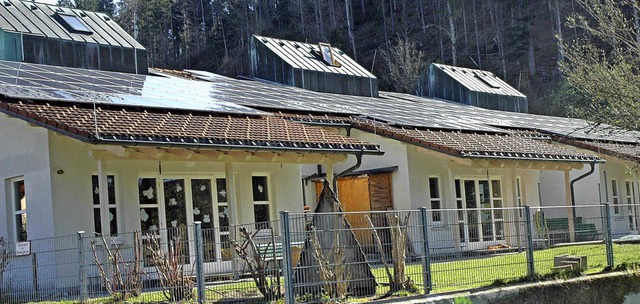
353	194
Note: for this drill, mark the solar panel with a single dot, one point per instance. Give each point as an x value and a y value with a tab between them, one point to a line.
228	95
43	82
391	109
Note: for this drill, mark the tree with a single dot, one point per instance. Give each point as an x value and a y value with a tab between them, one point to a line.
405	64
103	6
603	65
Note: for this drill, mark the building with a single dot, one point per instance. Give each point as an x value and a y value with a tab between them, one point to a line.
47	34
470	87
320	68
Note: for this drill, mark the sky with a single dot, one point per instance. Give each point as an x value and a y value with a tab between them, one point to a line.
48	1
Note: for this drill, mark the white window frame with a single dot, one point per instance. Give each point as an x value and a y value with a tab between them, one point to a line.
519	195
615	196
437	217
269	200
109	206
14	212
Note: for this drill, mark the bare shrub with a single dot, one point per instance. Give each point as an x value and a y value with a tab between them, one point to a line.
398	280
258	263
123	279
176	284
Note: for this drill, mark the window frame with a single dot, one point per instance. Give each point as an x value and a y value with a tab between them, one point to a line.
116	200
615	197
435	214
80	28
15	212
268	202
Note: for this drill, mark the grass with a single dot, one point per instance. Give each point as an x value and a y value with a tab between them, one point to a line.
464	273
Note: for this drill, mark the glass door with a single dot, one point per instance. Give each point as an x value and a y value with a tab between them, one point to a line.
180	202
480	216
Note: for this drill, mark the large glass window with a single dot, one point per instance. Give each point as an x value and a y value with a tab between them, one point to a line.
113	207
261	202
20	209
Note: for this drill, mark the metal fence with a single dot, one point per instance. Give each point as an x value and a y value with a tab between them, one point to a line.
314	257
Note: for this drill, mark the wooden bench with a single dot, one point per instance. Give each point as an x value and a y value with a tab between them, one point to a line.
558	230
270	251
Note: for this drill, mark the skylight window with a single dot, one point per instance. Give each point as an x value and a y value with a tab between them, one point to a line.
327	54
489	80
74	23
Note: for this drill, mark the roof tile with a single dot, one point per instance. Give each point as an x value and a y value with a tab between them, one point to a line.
121	123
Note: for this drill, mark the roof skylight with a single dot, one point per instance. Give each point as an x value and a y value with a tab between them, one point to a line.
489	80
327	54
73	23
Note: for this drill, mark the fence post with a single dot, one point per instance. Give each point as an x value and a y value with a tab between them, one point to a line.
426	257
81	273
287	267
530	261
608	238
197	227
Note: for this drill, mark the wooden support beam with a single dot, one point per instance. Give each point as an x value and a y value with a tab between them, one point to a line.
450	158
175	154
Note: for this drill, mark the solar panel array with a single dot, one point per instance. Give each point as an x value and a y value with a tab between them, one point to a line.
44	82
395	111
405	110
228	95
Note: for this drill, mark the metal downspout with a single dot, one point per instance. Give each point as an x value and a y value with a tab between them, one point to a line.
573	196
345	172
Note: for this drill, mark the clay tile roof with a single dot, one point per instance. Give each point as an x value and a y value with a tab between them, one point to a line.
629	151
508	145
122	125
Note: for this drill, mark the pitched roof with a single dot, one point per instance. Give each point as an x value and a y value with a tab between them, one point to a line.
477	144
43	20
621	150
43	82
479	80
124	125
300	56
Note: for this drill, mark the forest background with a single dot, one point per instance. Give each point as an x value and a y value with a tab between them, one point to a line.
519	40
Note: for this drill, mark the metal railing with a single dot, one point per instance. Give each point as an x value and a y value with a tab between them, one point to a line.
311	257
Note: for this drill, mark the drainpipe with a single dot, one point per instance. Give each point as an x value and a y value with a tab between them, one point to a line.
345	172
573	196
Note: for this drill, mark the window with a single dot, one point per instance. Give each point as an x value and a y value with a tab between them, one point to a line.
459	206
614	196
224	215
630	201
435	199
148	199
73	23
518	196
19	209
261	212
326	52
149	217
113	209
